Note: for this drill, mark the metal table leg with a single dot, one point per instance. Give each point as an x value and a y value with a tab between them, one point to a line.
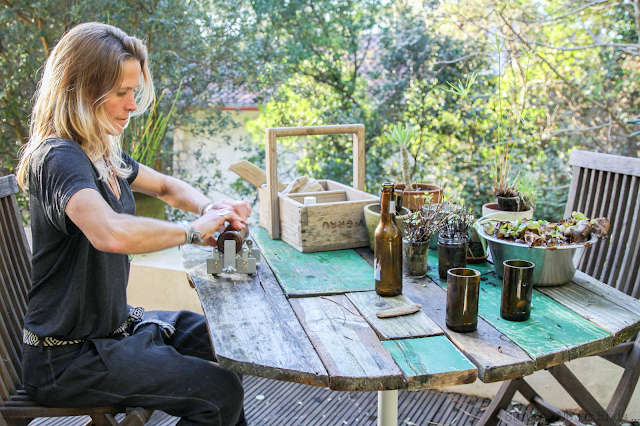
388	408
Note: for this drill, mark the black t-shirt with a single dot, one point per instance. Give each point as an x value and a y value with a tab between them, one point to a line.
78	292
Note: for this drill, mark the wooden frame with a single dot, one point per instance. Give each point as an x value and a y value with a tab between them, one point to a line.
300	232
601	185
609	185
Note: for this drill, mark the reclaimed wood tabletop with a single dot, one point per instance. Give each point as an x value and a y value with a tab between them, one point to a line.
311	318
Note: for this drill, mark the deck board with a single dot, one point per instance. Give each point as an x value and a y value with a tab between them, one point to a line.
293	404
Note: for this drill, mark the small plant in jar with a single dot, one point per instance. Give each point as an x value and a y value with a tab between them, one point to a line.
453	241
419	227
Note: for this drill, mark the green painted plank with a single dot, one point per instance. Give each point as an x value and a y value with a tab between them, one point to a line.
430	362
314	274
553	335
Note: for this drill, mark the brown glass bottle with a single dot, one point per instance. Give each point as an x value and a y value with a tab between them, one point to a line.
231	234
387	263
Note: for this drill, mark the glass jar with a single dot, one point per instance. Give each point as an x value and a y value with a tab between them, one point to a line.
452	253
414	258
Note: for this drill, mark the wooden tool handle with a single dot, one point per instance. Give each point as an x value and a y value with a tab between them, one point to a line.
252	174
357	130
400	310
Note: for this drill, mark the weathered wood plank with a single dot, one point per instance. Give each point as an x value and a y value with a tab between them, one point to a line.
600	311
618	235
606	291
406	326
553	335
347	346
606	162
430	362
631	243
332	129
609	206
253	329
314	274
321	197
577	176
8	186
358	159
493	354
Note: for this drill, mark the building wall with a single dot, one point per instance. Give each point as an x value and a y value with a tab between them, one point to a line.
186	143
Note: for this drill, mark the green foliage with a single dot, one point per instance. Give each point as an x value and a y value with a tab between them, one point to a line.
402	136
566	77
144	142
528	188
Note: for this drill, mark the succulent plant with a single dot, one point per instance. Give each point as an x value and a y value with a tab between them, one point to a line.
402	136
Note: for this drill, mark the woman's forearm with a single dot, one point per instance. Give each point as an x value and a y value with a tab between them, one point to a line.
122	233
182	196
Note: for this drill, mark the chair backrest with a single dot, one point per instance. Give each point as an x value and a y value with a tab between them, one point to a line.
15	281
607	185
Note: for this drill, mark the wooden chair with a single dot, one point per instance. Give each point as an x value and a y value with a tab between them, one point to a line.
16	407
601	185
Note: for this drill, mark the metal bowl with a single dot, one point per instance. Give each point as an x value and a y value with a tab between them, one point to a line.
555	266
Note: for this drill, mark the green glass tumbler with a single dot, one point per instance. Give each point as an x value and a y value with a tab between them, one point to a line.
517	290
463	292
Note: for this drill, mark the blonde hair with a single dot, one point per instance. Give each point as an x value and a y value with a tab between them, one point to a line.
84	68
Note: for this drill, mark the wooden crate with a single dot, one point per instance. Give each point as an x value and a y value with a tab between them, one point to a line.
336	221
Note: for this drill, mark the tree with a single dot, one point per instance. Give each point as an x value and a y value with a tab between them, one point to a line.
585	80
193	43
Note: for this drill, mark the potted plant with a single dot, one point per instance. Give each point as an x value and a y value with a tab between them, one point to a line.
143	142
414	195
372	219
453	241
419	227
529	192
509	119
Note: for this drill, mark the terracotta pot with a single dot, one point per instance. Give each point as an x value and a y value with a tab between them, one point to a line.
492	211
414	200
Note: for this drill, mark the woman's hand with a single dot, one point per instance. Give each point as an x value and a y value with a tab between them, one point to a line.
214	220
241	208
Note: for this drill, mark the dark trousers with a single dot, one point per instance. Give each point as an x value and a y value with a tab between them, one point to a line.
165	364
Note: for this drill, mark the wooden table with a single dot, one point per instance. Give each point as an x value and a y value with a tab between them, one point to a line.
310	318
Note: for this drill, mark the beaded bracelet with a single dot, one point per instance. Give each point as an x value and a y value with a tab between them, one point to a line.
191	234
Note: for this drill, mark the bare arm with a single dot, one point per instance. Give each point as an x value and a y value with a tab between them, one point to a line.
181	195
121	233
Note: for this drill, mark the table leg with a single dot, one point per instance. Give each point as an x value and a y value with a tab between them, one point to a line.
388	408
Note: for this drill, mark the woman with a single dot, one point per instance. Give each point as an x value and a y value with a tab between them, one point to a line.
83	345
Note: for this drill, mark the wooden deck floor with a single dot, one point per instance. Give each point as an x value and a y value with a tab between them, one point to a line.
274	403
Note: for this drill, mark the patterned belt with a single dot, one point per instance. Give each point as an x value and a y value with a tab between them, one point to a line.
31	339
